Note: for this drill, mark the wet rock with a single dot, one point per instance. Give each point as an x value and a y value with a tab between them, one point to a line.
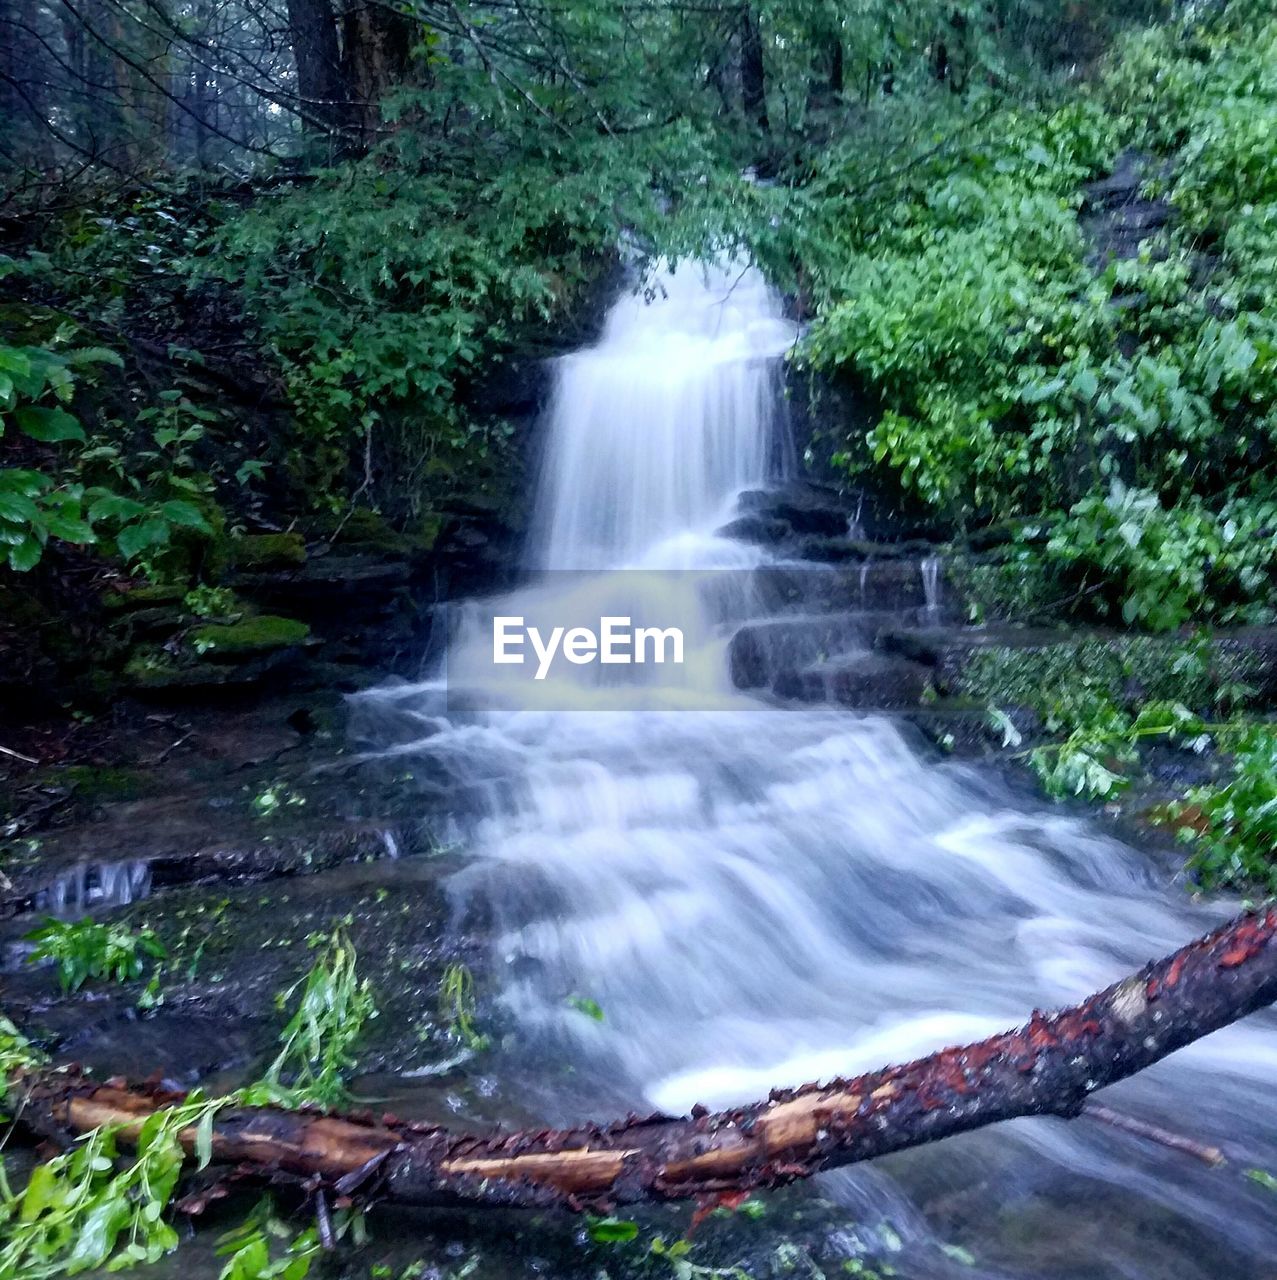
804	508
857	550
756	529
869	585
97	885
153	670
1116	217
868	681
761	651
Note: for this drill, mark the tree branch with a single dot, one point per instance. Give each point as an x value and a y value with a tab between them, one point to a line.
1049	1066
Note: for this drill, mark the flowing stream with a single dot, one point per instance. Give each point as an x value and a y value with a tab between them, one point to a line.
758	895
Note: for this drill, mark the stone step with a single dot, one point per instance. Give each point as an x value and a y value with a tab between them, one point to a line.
874	585
866	681
767	648
947	650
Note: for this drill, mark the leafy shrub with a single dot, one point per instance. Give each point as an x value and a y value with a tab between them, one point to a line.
1233	825
83	950
1169	566
36	385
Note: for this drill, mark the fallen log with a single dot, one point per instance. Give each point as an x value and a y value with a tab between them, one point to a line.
1049	1066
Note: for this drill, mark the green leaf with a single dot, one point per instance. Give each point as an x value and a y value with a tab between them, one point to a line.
70	529
204	1139
42	1191
114	506
185	514
94	355
18	508
50	426
612	1230
1011	736
25	555
591	1008
133	539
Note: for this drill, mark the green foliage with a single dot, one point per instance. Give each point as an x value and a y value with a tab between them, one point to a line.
16	1051
83	950
211	602
1101	701
333	1007
1130	406
1173	565
35	384
382	296
1233	825
253	1249
583	1004
89	1209
35	506
964	300
79	1211
611	1230
457	1006
1069	685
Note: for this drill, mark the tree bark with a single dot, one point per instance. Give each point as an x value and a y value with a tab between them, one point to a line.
1049	1066
312	26
753	75
376	56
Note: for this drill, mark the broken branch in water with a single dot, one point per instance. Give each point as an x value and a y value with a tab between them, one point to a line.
1050	1066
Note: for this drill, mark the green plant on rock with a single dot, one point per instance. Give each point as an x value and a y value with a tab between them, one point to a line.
333	1006
84	950
457	1006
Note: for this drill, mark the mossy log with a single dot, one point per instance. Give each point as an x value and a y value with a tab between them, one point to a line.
1049	1066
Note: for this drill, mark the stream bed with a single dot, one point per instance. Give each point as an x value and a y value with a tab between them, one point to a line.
672	891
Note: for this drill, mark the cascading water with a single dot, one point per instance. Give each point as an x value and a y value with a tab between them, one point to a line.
760	896
660	425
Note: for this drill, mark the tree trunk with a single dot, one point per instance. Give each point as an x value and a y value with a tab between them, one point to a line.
377	55
1050	1066
321	86
753	75
25	76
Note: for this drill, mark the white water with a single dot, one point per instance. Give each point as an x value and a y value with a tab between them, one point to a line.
760	896
660	425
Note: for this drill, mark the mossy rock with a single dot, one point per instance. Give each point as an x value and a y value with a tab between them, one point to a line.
197	555
150	667
370	533
143	597
258	552
248	637
153	671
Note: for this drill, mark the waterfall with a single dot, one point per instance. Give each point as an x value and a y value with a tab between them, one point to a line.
759	896
656	429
